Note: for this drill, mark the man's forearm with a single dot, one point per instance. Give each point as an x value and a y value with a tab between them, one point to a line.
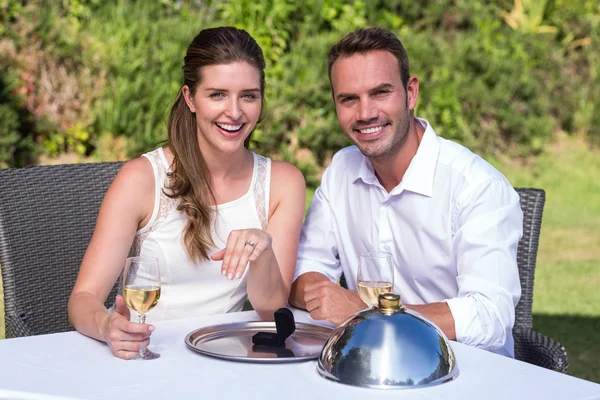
439	314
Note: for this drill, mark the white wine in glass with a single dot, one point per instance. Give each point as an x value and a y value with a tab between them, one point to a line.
141	299
375	276
141	291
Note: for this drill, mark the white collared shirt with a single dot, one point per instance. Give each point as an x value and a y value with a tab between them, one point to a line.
452	226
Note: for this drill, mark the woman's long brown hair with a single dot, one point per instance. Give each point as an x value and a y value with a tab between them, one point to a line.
190	180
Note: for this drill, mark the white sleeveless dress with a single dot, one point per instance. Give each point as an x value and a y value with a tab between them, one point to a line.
191	288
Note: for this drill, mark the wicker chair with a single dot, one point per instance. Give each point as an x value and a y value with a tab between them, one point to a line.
47	216
530	346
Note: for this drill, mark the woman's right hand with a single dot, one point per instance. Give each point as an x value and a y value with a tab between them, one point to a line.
243	246
125	338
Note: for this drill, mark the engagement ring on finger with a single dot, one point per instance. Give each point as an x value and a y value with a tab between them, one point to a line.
251	243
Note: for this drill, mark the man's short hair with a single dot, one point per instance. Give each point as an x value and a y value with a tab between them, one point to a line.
364	40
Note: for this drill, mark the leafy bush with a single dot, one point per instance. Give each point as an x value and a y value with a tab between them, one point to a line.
141	50
51	89
497	76
10	126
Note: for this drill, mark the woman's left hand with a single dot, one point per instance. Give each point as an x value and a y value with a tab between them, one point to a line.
243	246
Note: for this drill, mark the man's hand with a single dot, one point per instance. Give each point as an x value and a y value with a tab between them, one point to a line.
331	302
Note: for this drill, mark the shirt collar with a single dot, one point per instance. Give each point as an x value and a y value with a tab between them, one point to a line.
421	170
366	172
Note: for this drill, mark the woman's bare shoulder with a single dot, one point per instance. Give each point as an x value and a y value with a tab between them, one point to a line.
138	171
286	176
135	178
287	187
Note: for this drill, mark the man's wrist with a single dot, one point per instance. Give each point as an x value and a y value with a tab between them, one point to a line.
357	301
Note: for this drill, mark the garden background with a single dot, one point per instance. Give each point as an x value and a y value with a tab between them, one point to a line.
516	81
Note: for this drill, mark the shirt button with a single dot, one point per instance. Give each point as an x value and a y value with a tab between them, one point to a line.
386	248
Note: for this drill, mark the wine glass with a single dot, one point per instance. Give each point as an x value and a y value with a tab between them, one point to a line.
141	291
375	276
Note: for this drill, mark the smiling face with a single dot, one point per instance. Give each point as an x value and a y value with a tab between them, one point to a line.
373	107
227	104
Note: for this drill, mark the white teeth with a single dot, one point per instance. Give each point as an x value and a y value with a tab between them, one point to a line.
368	131
229	127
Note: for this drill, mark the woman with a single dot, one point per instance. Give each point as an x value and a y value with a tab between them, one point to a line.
223	222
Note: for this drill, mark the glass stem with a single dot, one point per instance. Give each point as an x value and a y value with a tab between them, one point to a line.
142	320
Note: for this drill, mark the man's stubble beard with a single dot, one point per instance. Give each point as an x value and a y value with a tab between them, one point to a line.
398	139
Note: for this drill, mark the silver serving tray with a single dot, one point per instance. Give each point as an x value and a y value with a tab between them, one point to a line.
234	342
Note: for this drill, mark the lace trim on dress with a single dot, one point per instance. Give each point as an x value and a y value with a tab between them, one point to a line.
165	204
260	190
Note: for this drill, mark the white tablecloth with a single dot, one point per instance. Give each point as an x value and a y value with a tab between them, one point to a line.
70	365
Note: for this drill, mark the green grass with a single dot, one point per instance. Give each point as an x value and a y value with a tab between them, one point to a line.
566	297
566	303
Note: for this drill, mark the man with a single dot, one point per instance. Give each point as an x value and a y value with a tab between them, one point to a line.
449	219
